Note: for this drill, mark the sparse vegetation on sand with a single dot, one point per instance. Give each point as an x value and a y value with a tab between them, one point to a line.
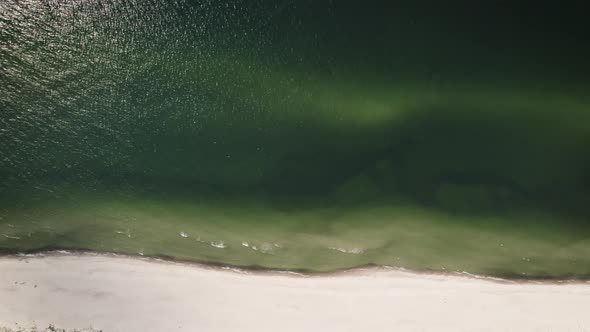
50	328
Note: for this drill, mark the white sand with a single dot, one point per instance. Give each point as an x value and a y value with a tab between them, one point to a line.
129	294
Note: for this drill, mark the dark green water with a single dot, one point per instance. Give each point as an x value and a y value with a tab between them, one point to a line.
305	135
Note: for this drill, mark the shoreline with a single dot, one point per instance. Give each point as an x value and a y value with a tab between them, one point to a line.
264	271
112	292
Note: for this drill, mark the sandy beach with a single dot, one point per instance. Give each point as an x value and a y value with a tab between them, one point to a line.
117	293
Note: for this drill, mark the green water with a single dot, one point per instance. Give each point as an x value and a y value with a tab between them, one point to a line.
302	135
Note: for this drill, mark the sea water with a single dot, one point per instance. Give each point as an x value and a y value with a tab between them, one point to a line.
298	135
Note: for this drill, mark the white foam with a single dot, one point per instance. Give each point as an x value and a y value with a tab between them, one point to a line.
355	251
266	247
126	233
218	244
11	237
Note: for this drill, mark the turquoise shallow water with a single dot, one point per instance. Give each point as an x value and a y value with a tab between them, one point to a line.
298	135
